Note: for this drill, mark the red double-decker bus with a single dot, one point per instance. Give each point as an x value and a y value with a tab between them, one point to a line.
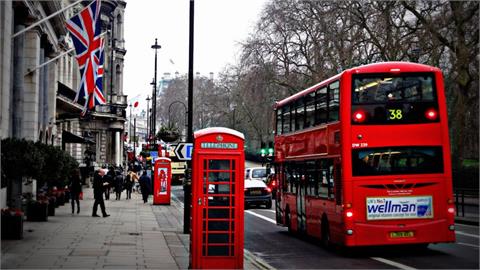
363	158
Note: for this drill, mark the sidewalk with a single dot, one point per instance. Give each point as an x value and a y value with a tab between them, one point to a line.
135	236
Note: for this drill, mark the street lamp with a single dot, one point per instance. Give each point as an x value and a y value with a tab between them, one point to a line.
130	124
184	106
148	109
154	96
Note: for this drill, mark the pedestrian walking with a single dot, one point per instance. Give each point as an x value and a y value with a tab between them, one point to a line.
98	189
109	178
118	185
75	188
145	186
129	184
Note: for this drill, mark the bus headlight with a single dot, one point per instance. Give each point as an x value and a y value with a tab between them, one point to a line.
349	232
451	227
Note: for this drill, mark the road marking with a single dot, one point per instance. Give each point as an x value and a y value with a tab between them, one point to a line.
468	245
262	217
392	263
467	234
257	261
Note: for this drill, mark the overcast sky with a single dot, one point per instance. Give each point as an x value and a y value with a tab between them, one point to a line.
219	26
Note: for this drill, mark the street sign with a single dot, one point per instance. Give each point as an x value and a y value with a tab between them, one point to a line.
183	151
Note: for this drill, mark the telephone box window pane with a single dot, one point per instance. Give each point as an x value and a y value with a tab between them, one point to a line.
218	251
218	238
204	227
233	178
233	164
204	250
218	213
232	250
219	201
218	189
219	164
218	177
218	225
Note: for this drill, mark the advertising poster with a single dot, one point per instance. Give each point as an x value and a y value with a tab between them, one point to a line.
163	176
412	207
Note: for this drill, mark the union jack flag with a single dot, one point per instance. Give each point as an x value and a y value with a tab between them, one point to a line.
85	30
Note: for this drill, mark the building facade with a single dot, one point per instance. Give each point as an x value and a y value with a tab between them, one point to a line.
39	77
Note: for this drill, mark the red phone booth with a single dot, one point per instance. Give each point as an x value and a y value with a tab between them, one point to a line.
217	199
161	180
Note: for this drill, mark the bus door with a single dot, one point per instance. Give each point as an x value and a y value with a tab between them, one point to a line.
301	188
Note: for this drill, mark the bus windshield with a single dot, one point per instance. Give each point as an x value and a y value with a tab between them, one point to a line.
397	160
387	99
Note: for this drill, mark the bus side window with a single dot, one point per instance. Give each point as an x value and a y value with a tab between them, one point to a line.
299	114
286	119
333	101
331	181
310	110
321	106
337	179
279	121
311	175
323	179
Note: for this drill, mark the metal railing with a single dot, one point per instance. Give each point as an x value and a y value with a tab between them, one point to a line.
466	202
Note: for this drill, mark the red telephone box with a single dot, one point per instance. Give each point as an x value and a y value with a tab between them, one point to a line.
161	181
217	199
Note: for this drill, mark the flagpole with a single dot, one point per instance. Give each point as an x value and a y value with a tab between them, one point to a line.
54	59
45	19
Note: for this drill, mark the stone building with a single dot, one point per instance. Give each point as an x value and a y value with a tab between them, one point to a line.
39	77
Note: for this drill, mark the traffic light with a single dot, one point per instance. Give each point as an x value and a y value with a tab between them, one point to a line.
263	150
270	149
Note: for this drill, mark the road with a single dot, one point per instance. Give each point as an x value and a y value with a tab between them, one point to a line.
275	246
281	250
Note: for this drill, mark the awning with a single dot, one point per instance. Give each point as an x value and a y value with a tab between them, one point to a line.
68	137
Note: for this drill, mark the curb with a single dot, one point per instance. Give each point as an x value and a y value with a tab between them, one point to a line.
256	261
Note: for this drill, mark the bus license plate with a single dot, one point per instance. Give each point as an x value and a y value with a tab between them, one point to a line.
401	234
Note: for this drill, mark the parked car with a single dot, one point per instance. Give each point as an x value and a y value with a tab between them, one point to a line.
257	173
257	193
272	183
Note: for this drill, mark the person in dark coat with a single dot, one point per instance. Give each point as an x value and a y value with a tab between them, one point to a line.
129	184
75	190
109	180
98	189
145	186
118	186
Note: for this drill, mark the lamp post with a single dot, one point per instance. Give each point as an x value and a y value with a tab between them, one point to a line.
154	96
188	182
152	114
130	124
184	106
148	109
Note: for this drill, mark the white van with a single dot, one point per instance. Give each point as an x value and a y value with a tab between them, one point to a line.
257	173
